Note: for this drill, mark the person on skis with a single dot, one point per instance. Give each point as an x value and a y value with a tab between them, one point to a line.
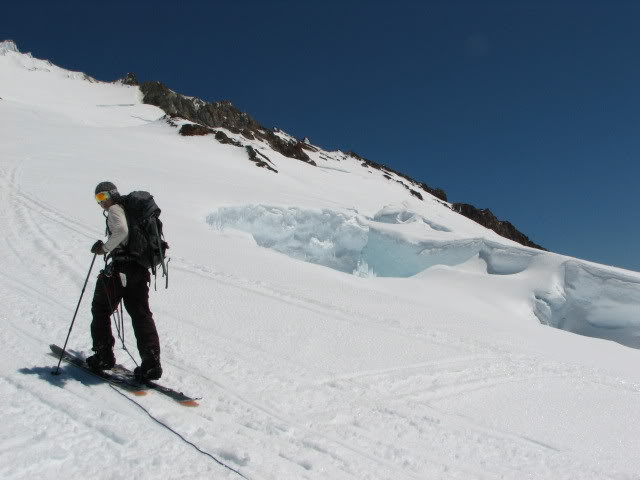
123	279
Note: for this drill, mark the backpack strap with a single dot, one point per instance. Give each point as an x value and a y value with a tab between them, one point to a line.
165	269
106	221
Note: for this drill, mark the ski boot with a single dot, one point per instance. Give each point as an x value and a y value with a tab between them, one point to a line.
103	359
150	369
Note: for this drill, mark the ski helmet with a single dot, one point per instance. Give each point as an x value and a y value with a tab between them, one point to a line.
107	187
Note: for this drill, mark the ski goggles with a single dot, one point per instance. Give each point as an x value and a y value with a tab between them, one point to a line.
102	196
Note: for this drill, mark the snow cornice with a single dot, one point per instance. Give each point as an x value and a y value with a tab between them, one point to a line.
8	46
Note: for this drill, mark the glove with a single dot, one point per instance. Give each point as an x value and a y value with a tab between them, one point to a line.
98	248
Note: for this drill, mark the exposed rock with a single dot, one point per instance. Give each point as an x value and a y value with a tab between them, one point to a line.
246	133
291	150
191	130
253	156
129	79
487	219
415	194
171	120
436	192
308	147
225	140
218	115
353	154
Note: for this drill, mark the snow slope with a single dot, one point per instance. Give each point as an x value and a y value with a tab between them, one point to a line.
335	326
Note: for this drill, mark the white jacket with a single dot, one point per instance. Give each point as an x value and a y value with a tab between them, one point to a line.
118	229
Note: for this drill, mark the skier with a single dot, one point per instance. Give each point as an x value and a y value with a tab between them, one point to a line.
122	279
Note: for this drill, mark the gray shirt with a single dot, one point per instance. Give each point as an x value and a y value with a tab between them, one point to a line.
119	231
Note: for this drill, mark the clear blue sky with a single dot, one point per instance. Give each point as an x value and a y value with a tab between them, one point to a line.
529	108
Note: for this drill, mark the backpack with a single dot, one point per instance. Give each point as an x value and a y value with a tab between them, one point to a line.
146	244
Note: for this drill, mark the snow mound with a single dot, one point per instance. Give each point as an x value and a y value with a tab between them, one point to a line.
398	214
594	302
351	243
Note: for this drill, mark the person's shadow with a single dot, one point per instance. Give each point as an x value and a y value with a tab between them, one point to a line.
66	372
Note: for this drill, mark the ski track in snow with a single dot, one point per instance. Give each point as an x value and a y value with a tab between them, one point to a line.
397	390
391	387
397	399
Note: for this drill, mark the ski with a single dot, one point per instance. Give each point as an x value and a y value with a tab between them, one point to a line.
179	397
113	378
124	378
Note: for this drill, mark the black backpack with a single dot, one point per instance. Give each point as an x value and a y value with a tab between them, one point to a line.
146	244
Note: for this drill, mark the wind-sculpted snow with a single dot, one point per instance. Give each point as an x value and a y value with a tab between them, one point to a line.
567	294
324	237
398	215
8	46
594	302
366	247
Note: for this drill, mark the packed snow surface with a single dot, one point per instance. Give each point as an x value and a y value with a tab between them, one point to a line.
334	326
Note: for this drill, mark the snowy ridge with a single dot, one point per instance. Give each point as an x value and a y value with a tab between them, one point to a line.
32	85
9	49
8	46
335	326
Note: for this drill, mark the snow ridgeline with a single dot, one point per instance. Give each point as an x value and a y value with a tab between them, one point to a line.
563	293
9	49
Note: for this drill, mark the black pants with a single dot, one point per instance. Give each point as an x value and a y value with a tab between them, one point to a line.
135	295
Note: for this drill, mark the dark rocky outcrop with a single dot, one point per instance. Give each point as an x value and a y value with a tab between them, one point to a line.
219	115
416	194
436	192
253	156
487	219
129	79
193	129
289	149
225	140
308	147
306	144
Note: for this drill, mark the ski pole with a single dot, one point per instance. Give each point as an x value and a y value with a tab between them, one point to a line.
57	371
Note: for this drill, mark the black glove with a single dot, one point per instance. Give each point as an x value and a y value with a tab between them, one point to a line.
98	248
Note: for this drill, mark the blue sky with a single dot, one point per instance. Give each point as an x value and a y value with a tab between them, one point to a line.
527	108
